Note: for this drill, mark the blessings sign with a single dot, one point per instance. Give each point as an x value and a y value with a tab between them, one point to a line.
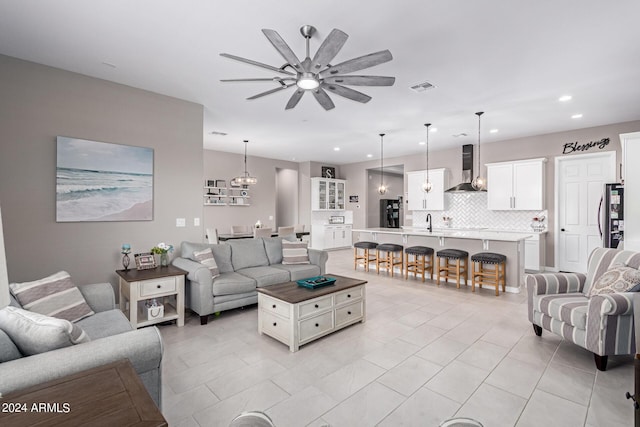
571	147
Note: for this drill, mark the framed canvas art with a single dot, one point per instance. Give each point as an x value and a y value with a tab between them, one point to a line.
100	181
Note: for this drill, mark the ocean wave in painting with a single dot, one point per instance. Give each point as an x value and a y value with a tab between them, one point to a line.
93	195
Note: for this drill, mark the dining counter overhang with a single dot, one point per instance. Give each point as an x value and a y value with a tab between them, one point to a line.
471	240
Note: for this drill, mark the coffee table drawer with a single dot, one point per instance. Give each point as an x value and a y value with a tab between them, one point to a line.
314	306
349	295
349	313
275	326
272	305
150	288
311	328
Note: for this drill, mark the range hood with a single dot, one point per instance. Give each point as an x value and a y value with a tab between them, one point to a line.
467	172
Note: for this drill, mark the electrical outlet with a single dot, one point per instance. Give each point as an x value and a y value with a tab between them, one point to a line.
270	217
181	222
196	222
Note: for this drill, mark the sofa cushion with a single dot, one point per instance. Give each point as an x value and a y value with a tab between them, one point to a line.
299	271
273	248
105	324
221	253
295	253
569	308
266	276
35	333
54	296
248	253
616	279
232	283
205	257
8	350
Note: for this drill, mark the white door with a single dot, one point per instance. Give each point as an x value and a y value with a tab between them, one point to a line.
580	183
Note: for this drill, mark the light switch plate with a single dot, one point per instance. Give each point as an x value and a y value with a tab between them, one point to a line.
181	222
196	222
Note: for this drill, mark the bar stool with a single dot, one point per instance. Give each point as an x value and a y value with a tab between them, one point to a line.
389	259
492	276
458	270
419	264
366	257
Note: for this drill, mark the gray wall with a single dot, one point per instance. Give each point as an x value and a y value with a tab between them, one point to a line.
39	103
548	145
395	185
286	197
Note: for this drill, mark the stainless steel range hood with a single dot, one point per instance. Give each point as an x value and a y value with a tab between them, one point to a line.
467	172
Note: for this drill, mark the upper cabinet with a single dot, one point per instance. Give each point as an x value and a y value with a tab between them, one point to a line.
516	185
434	200
328	194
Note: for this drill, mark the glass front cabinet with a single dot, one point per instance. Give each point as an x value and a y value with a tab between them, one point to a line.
328	194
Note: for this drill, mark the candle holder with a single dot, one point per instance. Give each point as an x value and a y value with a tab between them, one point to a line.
126	250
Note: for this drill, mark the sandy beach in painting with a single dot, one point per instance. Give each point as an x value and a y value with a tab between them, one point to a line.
138	212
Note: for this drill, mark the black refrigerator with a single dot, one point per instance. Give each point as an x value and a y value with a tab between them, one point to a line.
611	218
390	213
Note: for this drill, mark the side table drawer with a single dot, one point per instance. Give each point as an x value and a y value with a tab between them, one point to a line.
311	328
309	308
272	305
153	287
349	313
275	326
349	295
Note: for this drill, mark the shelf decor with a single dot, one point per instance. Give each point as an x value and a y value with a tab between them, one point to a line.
126	250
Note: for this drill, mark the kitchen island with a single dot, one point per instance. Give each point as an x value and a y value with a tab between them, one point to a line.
471	240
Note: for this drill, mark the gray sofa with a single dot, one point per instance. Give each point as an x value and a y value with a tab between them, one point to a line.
245	265
112	339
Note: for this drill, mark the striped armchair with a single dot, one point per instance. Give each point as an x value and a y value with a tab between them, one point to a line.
603	324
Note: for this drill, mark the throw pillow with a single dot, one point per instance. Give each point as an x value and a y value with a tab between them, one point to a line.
616	279
295	253
35	333
206	258
54	296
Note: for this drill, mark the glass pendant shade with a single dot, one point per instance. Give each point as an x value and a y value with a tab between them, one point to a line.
479	183
426	185
245	179
382	189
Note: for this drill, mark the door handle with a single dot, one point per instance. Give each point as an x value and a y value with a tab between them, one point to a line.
562	229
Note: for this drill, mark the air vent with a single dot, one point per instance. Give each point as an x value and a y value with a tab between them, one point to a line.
422	87
215	132
458	135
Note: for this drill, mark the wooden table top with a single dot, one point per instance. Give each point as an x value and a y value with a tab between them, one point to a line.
134	275
109	395
291	293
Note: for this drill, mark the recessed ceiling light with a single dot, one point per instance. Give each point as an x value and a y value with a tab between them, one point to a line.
493	131
109	64
565	98
336	148
576	116
433	130
215	132
421	143
369	155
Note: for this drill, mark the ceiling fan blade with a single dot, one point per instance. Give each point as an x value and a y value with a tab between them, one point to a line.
347	92
323	99
284	49
361	80
273	79
359	63
269	92
257	64
329	49
295	98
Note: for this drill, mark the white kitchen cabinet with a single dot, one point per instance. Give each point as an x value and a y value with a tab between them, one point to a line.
534	252
330	236
434	200
516	185
631	175
328	194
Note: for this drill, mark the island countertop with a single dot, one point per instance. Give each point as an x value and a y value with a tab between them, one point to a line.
475	234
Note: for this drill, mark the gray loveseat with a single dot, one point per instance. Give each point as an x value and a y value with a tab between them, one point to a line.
245	265
112	339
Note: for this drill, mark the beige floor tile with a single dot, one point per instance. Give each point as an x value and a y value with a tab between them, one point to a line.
183	405
567	382
516	376
533	349
409	375
493	407
228	384
423	335
442	351
484	355
349	379
301	408
457	381
198	375
544	409
423	408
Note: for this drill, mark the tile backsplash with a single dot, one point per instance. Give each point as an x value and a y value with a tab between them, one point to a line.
470	210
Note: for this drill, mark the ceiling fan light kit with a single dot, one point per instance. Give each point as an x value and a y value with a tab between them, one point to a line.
317	75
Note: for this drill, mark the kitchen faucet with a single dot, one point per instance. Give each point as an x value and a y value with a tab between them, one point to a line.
429	222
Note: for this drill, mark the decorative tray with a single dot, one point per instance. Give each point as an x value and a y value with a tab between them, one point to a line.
316	282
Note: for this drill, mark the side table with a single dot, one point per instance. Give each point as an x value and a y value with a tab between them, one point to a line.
137	286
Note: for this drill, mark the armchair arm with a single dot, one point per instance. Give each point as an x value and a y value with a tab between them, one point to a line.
319	257
199	293
99	296
552	283
610	324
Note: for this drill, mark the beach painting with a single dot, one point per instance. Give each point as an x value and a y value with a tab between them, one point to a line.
99	181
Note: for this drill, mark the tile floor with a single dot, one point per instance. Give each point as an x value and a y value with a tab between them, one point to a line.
425	354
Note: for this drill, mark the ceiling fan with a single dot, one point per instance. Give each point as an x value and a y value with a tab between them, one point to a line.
317	75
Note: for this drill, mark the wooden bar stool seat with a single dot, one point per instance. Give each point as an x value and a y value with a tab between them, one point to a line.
392	256
495	275
418	260
456	265
366	257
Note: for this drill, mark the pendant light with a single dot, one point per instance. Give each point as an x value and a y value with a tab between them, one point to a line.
245	179
479	183
426	185
383	188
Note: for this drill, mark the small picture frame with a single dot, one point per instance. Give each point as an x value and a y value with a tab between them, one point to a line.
210	183
221	183
145	261
353	199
